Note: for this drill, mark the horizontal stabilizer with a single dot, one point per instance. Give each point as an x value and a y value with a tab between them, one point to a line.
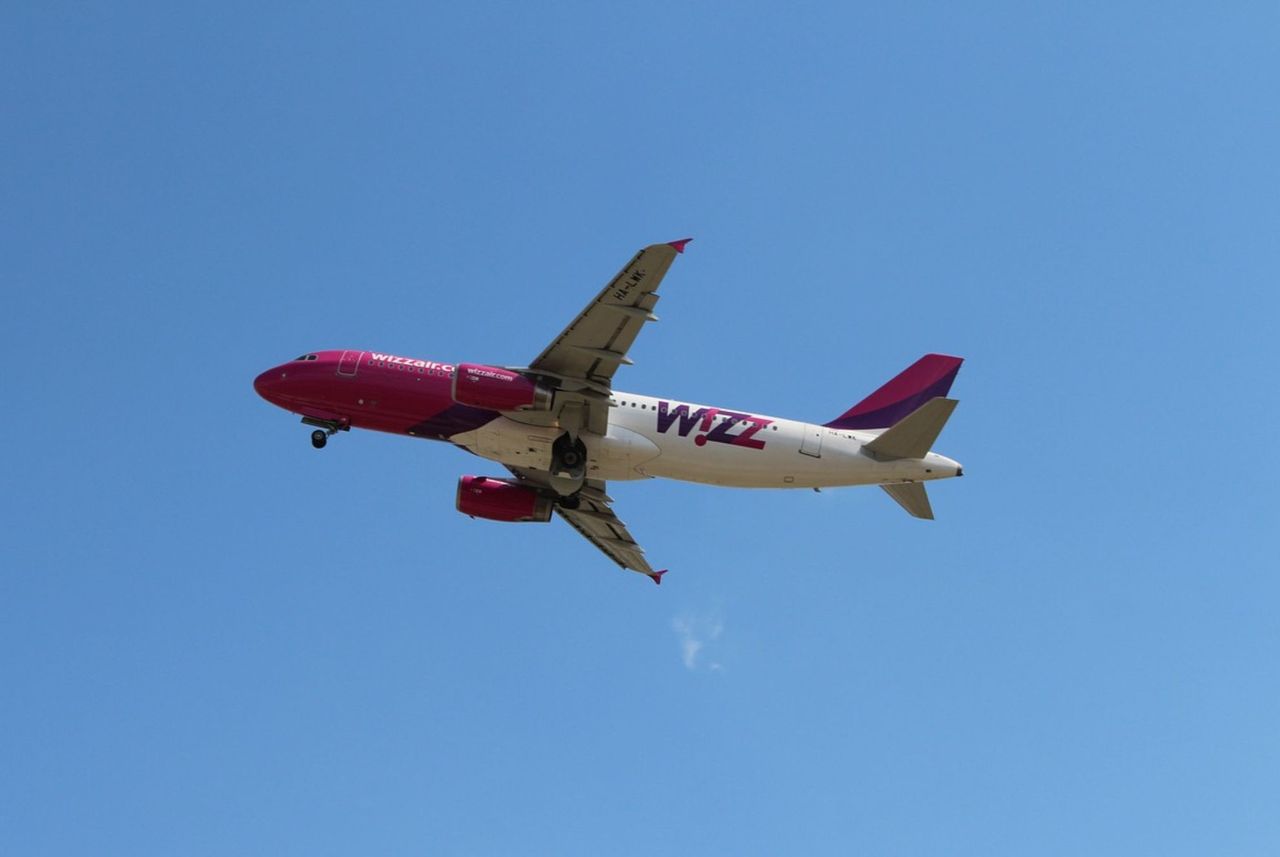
912	497
914	434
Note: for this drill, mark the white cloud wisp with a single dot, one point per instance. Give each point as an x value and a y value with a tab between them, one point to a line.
695	634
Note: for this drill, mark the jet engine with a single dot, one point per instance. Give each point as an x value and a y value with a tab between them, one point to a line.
497	389
501	500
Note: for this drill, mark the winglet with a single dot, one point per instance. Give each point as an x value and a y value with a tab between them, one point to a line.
656	576
679	245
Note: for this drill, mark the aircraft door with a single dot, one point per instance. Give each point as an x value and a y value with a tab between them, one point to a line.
349	363
811	440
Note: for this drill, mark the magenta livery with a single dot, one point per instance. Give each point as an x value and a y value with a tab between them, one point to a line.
563	431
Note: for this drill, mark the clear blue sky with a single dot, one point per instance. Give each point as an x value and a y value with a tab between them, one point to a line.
216	640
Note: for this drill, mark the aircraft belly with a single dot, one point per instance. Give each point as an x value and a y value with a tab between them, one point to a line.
619	454
614	456
510	442
780	464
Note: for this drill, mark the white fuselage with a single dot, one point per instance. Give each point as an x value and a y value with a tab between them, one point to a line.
651	437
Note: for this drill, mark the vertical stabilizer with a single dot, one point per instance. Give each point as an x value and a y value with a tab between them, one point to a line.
928	378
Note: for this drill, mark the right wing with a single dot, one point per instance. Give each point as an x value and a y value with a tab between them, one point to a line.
594	518
595	343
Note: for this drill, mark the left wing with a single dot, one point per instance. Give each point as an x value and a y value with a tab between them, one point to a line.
594	518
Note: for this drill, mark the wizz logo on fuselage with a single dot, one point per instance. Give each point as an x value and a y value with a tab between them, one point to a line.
716	425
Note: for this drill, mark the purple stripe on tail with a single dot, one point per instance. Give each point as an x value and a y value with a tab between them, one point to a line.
929	377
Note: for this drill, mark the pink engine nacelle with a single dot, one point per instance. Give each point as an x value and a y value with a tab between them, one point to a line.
496	389
501	500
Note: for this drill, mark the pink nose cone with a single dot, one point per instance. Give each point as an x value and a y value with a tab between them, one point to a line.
265	383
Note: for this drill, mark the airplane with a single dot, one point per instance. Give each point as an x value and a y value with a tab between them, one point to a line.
563	431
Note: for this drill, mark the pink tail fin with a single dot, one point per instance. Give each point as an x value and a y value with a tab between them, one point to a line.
928	378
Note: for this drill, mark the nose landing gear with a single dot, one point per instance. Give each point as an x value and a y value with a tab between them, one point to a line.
324	428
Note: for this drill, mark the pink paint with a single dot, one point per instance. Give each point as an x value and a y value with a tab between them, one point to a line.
501	500
497	389
929	377
390	394
680	245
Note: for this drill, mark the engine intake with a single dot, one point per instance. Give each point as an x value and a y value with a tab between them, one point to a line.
501	500
496	389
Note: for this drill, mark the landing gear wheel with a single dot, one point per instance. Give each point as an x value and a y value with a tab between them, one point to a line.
319	439
571	502
568	465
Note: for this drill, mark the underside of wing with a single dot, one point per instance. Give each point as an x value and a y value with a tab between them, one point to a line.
594	519
595	343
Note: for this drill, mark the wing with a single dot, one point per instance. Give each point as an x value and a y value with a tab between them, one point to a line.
595	343
594	518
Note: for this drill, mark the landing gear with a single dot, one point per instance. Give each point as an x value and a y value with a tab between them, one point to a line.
568	465
324	428
571	502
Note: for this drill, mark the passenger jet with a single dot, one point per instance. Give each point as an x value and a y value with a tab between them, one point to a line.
563	431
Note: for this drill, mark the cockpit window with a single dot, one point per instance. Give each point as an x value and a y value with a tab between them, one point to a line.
305	357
